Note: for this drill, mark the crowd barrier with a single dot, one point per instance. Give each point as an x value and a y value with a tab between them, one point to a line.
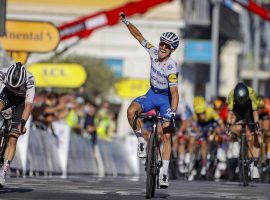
64	153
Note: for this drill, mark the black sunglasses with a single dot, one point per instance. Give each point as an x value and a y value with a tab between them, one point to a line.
167	46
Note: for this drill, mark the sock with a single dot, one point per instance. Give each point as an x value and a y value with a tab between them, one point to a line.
181	159
268	155
203	162
165	167
5	167
256	160
139	133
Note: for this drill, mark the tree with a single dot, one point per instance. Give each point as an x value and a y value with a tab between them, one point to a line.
100	79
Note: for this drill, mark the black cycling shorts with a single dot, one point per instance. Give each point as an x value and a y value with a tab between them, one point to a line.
16	103
245	114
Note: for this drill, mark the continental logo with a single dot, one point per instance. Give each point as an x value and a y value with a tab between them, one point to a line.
172	78
149	46
30	36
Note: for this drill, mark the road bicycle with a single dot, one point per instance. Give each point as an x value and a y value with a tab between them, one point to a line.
244	158
154	157
5	128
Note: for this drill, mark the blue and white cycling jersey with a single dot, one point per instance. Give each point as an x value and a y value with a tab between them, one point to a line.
184	110
162	74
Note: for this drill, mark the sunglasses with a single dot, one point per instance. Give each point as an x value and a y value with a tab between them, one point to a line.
167	46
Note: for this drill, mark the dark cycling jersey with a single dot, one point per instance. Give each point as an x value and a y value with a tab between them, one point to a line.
252	100
27	90
244	111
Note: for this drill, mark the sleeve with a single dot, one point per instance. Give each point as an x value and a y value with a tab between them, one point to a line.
151	49
215	116
3	72
172	74
195	118
181	111
253	98
30	89
230	100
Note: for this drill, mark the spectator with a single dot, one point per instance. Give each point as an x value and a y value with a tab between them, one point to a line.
103	121
72	118
89	124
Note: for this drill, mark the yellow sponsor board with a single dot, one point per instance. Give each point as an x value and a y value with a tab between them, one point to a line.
131	88
58	75
30	36
18	56
60	4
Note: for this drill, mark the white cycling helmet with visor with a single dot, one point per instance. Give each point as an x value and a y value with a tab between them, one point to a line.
16	75
171	39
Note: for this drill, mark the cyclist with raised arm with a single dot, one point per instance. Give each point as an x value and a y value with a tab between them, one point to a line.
242	105
18	94
163	92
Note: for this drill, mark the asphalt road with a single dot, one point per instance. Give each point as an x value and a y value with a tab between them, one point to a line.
123	188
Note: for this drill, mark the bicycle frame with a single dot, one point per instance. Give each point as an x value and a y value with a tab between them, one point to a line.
153	153
244	160
4	131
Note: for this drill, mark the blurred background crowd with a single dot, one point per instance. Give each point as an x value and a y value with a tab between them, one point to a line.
77	111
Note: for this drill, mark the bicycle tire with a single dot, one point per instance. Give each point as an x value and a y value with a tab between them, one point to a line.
3	145
150	167
244	160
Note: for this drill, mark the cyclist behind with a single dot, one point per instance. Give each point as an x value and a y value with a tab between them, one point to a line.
264	116
221	107
206	120
242	105
184	136
18	94
163	92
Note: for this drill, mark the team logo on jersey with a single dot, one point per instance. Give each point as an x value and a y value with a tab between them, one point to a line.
148	45
170	67
172	78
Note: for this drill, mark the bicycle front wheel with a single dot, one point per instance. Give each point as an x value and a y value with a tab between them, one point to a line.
151	167
244	162
3	144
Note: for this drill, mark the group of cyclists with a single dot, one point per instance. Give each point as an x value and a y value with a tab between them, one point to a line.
202	126
203	129
211	131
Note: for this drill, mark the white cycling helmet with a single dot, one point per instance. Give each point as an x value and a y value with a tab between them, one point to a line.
170	38
16	75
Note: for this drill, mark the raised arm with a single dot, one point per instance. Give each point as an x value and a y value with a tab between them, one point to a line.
132	29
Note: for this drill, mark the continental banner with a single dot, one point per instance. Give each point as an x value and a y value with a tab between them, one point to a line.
30	36
132	88
60	75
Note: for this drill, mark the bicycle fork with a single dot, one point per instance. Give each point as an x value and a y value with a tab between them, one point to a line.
159	163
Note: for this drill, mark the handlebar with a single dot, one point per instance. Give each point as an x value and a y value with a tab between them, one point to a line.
145	116
243	123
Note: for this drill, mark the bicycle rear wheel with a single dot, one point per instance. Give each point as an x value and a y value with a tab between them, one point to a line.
151	167
244	162
3	144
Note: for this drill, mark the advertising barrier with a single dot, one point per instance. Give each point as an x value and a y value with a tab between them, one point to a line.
22	146
62	131
60	152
